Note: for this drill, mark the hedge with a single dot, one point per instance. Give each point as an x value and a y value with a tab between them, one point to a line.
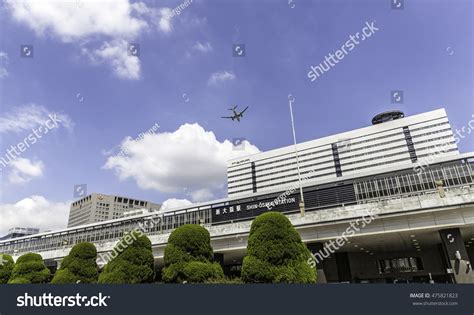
133	261
275	252
6	267
80	266
189	256
29	268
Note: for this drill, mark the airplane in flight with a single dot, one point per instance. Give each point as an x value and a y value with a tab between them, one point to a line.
236	115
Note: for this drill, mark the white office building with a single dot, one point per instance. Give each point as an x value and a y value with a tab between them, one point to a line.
99	207
393	143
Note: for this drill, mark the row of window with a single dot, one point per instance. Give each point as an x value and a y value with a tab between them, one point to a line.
350	150
399	160
285	159
250	188
286	170
102	234
400	153
283	182
130	201
344	164
430	126
79	214
398	133
396	265
449	175
352	143
81	201
431	133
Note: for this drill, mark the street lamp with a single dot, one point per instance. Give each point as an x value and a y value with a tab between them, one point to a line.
291	99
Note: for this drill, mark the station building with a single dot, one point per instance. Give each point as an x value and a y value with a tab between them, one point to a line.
406	172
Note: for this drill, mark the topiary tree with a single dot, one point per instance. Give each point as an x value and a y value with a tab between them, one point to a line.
6	267
80	266
189	256
29	268
275	252
132	261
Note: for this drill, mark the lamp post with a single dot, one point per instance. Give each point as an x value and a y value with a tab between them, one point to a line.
291	99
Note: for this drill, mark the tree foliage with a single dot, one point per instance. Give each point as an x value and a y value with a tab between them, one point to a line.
189	256
132	261
6	267
80	266
275	252
29	268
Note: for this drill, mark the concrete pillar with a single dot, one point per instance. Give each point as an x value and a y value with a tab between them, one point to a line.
456	254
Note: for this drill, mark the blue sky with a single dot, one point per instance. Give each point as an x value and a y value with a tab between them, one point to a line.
82	72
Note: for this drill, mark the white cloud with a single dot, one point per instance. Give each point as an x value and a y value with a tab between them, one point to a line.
3	64
164	20
34	211
173	203
72	20
160	17
116	54
201	195
23	170
29	116
112	23
220	76
204	48
189	158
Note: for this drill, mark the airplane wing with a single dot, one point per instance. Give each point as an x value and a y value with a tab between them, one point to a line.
243	110
230	117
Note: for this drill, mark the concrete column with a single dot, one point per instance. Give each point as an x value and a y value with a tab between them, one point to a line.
456	254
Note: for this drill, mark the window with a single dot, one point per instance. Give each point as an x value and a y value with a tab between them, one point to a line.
404	264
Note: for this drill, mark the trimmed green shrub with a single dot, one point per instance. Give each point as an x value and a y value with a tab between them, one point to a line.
6	267
29	268
19	281
79	266
132	261
189	256
275	252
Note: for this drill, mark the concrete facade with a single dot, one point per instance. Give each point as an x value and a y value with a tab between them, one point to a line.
370	149
99	207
